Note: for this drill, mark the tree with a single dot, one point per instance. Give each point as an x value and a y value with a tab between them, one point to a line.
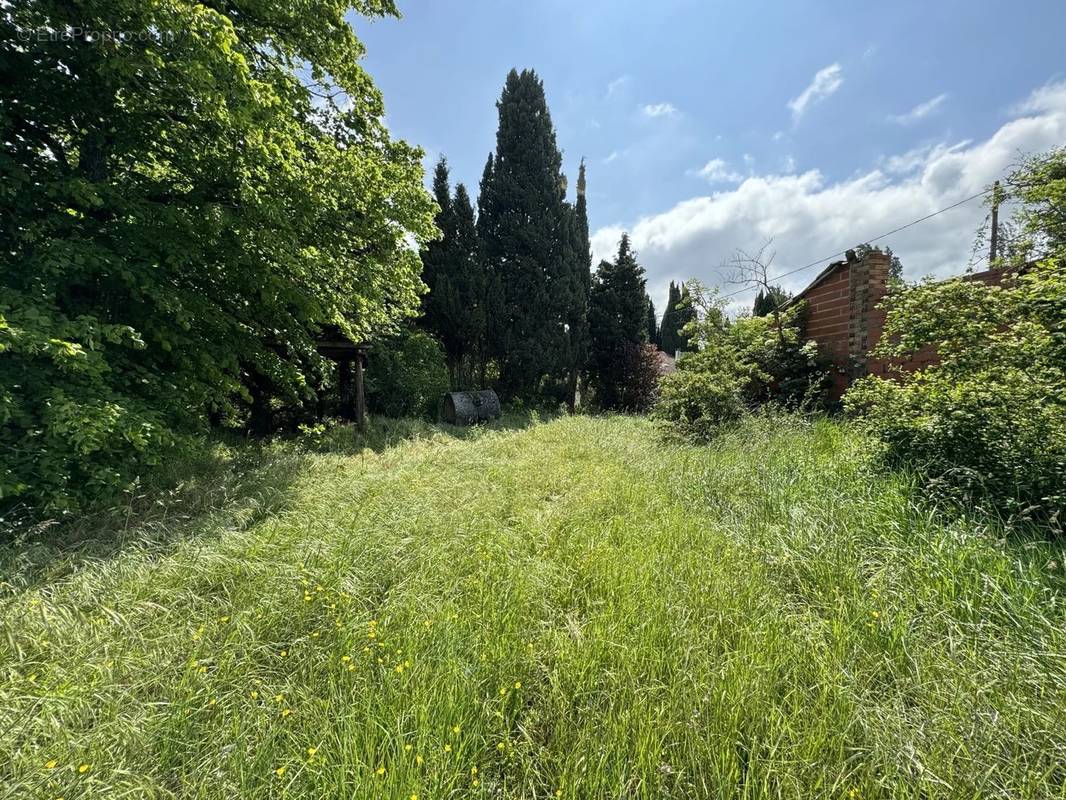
767	301
525	240
577	287
669	336
617	322
895	266
453	310
686	314
490	346
183	212
737	366
652	322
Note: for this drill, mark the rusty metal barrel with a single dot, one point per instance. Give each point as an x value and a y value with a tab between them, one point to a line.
469	408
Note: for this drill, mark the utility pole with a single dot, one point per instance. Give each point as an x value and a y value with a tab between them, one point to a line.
994	246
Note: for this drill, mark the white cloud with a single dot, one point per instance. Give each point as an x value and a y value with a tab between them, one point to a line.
614	156
1047	98
659	110
919	112
810	217
717	171
826	81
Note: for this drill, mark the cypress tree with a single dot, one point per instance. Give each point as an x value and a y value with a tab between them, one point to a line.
617	321
766	302
652	323
435	255
686	313
454	305
669	339
490	346
525	240
579	281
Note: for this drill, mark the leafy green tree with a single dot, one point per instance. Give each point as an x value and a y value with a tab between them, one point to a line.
766	302
453	309
617	321
408	375
737	366
525	240
182	212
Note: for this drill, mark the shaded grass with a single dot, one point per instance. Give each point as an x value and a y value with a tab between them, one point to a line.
572	609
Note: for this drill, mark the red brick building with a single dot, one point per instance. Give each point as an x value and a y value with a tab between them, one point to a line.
844	318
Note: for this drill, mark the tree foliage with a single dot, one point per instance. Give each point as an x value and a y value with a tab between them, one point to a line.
526	240
182	211
452	269
617	323
986	424
407	375
766	302
736	366
679	313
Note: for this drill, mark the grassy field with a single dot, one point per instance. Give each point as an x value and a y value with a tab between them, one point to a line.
569	609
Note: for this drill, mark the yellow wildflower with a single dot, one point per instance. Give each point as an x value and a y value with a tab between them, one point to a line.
418	759
381	772
83	769
51	764
311	752
408	747
346	658
455	729
286	711
279	771
518	684
447	748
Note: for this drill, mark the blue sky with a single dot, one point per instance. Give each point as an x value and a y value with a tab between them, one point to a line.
708	127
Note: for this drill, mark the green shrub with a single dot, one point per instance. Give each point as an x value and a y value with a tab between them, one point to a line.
987	424
739	365
407	375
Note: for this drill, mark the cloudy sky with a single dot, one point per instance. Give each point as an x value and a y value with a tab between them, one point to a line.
708	128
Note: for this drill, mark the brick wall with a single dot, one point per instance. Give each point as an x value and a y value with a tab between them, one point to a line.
844	319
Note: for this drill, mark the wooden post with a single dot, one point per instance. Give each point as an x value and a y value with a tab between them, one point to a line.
345	379
360	396
993	249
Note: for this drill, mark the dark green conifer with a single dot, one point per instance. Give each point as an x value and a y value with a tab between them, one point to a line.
525	240
617	321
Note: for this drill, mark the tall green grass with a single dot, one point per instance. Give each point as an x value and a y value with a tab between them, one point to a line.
575	609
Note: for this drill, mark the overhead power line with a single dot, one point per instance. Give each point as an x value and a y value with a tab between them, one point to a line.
873	239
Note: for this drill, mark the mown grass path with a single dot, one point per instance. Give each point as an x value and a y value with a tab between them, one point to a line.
571	610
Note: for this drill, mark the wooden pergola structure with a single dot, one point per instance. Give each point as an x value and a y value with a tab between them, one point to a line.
351	358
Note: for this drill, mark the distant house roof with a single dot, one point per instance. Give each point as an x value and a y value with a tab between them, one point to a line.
667	363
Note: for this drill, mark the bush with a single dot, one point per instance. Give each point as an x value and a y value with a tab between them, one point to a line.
739	365
407	375
635	378
987	424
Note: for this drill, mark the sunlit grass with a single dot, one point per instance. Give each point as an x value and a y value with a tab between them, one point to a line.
575	609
